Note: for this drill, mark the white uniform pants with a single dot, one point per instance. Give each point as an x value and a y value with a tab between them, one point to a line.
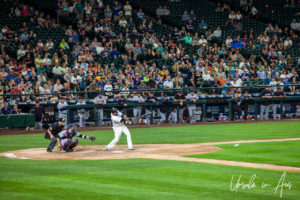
275	107
136	113
181	115
118	132
81	119
173	117
38	125
162	117
100	117
192	109
148	117
264	112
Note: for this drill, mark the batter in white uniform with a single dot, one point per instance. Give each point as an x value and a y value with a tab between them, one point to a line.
118	119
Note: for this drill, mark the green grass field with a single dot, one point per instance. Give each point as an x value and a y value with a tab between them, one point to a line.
278	153
154	179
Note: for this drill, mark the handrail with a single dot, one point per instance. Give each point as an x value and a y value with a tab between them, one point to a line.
158	90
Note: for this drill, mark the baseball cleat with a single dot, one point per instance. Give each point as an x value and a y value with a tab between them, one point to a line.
62	151
49	150
106	149
131	149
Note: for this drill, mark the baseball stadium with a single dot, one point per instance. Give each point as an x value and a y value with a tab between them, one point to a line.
149	99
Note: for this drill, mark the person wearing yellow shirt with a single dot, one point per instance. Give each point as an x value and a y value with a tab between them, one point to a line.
64	45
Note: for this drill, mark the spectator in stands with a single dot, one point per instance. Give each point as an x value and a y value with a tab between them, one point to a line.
159	10
203	25
192	15
64	45
219	7
231	19
15	110
140	14
168	83
128	10
253	12
267	9
216	34
295	26
166	11
5	110
185	16
288	43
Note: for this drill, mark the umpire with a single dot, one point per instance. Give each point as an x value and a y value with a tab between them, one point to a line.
245	101
235	106
52	133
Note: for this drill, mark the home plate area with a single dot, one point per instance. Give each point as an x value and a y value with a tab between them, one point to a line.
97	152
150	151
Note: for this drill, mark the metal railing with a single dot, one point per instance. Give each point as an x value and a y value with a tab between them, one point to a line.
157	92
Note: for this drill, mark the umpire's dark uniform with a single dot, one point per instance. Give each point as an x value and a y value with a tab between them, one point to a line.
235	107
55	130
245	101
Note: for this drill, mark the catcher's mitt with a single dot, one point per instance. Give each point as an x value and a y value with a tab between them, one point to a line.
92	138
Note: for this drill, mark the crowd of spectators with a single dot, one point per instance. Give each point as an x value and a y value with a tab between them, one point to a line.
41	68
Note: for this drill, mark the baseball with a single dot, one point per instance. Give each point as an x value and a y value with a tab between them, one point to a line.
236	145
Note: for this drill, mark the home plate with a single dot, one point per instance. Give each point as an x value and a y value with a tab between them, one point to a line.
117	152
12	155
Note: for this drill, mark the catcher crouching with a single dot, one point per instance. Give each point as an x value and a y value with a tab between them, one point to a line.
65	139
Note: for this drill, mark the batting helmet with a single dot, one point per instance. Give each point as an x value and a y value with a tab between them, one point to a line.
114	110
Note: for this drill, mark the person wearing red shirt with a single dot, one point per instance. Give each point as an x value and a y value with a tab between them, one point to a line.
25	11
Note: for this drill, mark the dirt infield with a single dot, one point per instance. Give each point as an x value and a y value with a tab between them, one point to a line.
152	151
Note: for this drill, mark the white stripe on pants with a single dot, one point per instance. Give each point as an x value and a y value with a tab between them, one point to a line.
118	132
